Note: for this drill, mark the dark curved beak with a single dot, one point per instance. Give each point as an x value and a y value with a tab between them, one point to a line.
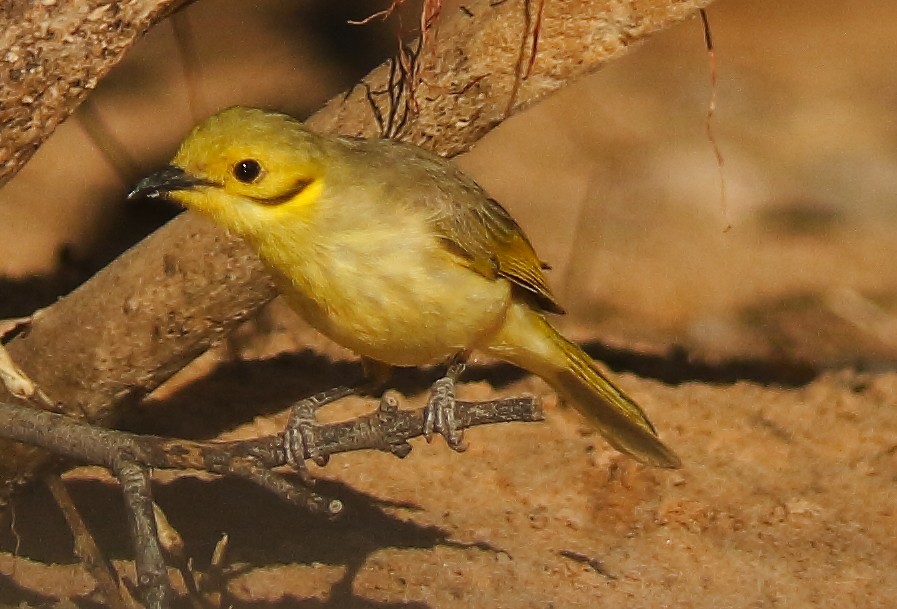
165	181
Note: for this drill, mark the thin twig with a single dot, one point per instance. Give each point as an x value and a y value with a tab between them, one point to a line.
153	584
378	115
173	545
86	548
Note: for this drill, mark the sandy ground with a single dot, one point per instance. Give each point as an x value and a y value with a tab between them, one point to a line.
765	353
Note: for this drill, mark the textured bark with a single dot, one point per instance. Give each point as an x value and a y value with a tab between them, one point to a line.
386	429
52	54
153	310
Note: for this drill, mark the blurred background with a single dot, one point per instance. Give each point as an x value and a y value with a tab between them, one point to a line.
614	179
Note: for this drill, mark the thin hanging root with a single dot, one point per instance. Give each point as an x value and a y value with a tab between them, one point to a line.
533	28
537	31
429	12
711	108
384	14
406	68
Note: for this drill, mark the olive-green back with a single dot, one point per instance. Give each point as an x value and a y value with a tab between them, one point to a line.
471	224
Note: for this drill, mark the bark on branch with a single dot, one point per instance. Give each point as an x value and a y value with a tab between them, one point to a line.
386	429
52	54
164	302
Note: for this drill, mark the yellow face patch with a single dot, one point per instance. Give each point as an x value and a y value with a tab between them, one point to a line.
300	199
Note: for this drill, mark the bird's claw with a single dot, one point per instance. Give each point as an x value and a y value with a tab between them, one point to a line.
299	433
440	415
296	439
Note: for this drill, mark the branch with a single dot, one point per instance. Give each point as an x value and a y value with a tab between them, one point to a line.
387	429
152	575
52	55
149	313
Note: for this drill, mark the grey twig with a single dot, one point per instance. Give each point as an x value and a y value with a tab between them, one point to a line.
387	429
153	585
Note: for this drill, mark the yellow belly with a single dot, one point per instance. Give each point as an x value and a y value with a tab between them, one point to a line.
406	302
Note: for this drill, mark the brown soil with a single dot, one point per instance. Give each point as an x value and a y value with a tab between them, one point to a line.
765	354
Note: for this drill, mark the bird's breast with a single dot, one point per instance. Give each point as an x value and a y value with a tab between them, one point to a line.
389	292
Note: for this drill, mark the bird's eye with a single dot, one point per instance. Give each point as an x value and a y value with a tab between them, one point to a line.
247	170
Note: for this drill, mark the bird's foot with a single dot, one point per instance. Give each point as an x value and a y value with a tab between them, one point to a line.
297	442
440	414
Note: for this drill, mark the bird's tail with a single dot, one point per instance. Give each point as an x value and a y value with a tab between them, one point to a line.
529	341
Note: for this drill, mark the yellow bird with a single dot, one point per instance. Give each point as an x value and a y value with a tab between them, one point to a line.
392	252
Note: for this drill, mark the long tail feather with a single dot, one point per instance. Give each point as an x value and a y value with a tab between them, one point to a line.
528	340
619	419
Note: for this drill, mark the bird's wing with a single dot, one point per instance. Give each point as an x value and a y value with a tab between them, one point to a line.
493	244
472	225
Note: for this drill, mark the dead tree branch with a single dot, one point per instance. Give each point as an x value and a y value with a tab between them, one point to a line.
52	55
385	429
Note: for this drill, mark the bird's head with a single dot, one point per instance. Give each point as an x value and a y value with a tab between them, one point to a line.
246	168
